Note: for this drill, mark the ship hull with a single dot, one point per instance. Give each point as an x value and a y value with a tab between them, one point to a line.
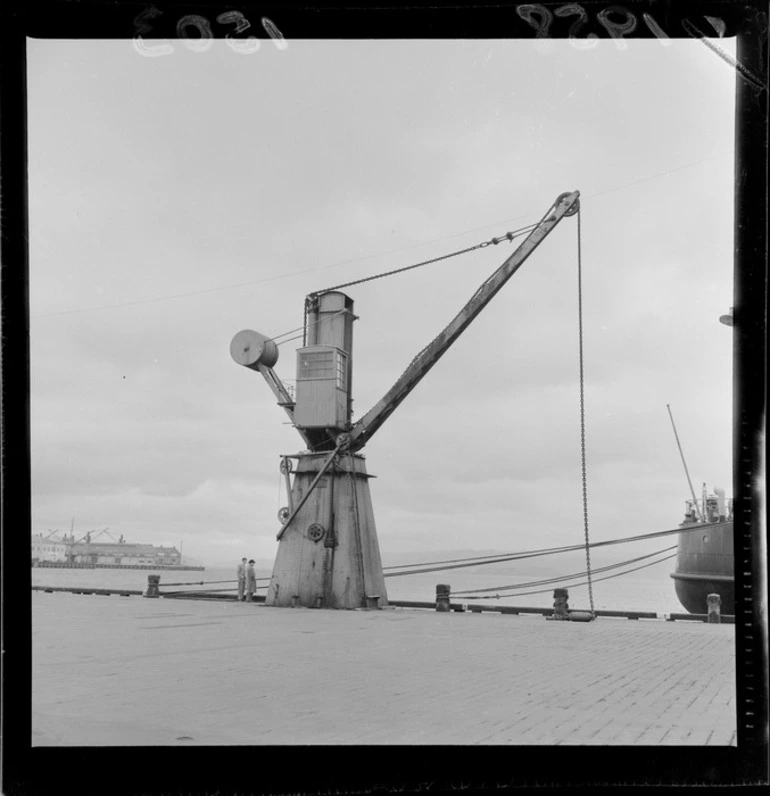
704	565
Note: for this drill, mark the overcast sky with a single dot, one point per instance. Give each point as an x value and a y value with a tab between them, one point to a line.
177	200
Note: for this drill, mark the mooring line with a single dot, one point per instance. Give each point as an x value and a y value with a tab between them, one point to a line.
570	585
500	558
571	576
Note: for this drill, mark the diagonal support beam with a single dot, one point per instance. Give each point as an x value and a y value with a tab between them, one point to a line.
307	494
284	399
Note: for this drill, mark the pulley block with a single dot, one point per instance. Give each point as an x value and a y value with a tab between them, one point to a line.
573	209
286	466
283	514
316	532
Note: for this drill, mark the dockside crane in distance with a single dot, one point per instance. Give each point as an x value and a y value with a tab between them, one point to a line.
91	535
328	554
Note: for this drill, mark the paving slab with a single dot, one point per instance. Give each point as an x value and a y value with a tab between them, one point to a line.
133	671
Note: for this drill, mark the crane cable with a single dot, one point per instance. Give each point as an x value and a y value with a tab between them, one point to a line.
509	236
583	414
492	241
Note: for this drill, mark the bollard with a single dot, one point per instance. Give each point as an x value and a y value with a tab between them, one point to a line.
442	597
560	604
714	602
153	583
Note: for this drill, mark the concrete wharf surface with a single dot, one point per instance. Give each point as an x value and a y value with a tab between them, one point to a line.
116	670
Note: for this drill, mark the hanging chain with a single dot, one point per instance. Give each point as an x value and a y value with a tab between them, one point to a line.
582	412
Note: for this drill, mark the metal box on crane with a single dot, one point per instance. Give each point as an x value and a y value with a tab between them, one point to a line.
324	365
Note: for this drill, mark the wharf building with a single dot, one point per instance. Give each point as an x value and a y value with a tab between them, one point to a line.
46	549
123	554
103	553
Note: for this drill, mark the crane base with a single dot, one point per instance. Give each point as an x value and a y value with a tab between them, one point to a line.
329	557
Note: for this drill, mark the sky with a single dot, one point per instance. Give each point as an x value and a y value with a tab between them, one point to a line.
177	200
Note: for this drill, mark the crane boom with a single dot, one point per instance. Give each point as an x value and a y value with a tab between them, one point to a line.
362	431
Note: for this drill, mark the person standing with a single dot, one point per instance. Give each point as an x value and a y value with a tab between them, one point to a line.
251	581
241	579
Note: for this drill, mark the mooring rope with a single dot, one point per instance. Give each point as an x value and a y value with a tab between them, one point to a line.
571	576
426	566
570	585
199	582
203	591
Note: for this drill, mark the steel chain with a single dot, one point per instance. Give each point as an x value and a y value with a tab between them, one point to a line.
582	412
509	236
492	241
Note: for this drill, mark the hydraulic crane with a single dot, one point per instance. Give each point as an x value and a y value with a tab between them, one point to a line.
328	555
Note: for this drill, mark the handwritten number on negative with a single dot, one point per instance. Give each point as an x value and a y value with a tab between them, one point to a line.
574	28
141	27
206	39
245	46
542	25
617	30
541	19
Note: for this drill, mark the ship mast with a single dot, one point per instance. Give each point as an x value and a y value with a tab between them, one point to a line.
686	472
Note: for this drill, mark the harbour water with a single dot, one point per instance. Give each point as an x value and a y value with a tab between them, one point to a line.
650	589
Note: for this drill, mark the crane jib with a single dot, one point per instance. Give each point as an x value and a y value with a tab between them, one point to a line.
565	205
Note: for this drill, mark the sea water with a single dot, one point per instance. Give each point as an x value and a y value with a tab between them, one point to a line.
651	589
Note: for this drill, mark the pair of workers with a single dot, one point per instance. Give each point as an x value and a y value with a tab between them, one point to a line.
247	580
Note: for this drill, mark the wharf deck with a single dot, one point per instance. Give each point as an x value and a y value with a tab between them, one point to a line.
133	671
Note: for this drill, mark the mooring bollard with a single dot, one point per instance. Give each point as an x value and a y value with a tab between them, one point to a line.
153	584
442	597
714	602
560	604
